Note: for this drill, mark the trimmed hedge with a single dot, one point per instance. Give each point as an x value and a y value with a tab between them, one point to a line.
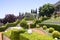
33	25
12	24
8	33
56	34
23	24
29	18
51	30
15	35
34	36
55	26
37	26
44	27
2	28
43	18
37	21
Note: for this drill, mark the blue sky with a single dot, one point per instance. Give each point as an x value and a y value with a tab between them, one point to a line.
16	6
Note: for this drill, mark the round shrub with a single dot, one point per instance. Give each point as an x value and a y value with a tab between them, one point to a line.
37	26
55	34
33	25
38	21
44	27
51	30
23	24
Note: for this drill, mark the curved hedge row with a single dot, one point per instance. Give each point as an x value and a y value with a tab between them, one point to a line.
2	28
55	26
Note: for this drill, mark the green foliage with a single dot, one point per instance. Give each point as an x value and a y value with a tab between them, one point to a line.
51	30
12	24
37	26
2	28
34	36
8	33
38	21
44	27
46	10
33	25
56	34
29	18
52	20
15	35
41	19
55	26
23	24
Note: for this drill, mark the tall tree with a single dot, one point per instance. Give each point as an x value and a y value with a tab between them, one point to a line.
46	10
9	18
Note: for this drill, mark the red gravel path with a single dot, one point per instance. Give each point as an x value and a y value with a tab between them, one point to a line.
39	31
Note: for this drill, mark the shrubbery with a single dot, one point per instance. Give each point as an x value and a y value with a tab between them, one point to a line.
34	36
38	21
23	24
33	25
51	30
12	24
15	34
55	26
43	19
56	34
37	26
2	28
44	27
29	18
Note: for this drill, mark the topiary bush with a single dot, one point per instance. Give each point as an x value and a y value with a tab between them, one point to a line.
38	21
56	34
33	25
37	26
51	30
44	27
15	34
23	24
55	26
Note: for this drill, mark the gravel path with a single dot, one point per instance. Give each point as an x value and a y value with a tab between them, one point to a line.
0	35
39	31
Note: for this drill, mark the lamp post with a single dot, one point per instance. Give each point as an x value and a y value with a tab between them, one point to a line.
29	30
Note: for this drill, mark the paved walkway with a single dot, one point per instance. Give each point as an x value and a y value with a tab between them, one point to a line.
39	31
0	35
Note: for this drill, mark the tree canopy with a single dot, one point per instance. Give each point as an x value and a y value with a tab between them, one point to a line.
46	10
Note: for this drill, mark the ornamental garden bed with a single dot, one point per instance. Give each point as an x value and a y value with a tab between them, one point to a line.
26	36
